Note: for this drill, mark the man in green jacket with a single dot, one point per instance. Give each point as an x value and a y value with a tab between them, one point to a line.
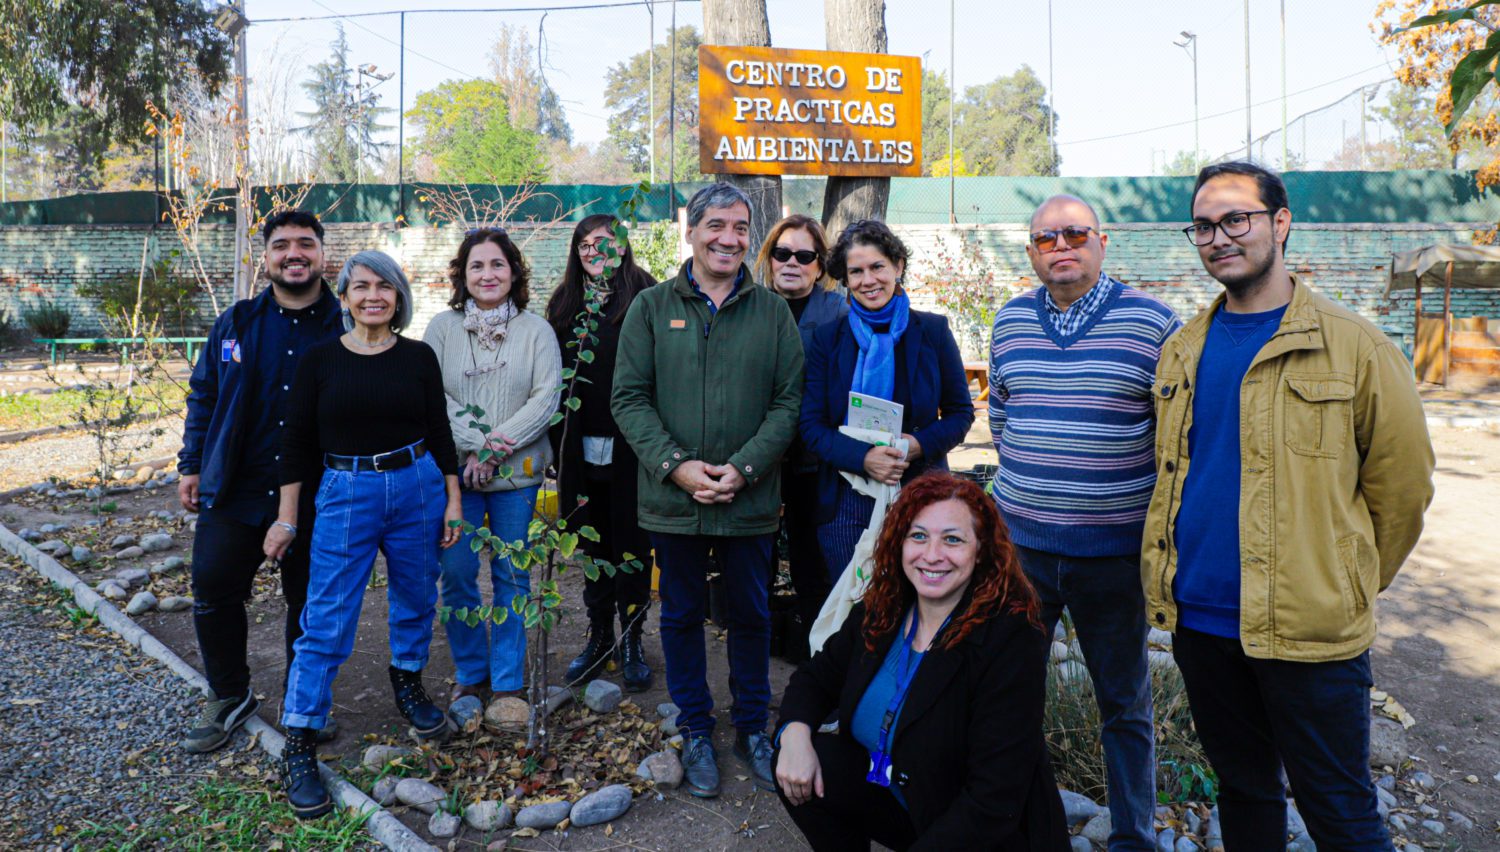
708	383
1293	468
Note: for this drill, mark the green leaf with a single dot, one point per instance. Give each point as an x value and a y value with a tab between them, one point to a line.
504	471
586	356
485	455
609	570
457	523
518	603
520	560
499	614
589	532
568	373
1470	76
549	620
567	544
556	418
476	544
591	570
628	556
532	608
461	614
473	619
572	403
1449	16
551	599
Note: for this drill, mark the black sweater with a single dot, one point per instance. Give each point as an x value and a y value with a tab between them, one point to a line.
360	405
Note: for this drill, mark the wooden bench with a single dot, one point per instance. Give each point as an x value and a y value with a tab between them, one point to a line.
53	344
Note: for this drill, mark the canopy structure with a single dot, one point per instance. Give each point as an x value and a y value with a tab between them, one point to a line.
1474	267
1463	266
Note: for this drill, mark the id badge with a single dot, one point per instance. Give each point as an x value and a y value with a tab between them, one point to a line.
880	769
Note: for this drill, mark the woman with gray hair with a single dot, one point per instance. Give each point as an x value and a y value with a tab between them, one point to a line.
368	405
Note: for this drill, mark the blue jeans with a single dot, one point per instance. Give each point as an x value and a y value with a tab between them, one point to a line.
1256	716
745	566
1104	597
398	513
489	652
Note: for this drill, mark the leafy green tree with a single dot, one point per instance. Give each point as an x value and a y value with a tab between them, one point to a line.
627	94
343	121
1002	126
466	136
533	104
104	59
935	91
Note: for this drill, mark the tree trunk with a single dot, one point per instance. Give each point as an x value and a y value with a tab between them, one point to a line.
744	22
857	26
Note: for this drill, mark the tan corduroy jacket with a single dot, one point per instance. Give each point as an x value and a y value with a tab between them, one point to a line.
515	384
1336	471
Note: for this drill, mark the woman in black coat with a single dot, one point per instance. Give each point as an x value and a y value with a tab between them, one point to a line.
594	461
938	679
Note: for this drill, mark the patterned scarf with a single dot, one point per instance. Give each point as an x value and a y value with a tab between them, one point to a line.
875	369
489	326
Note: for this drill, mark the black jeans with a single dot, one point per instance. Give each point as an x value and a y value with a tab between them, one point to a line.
1257	716
226	553
629	594
852	812
799	496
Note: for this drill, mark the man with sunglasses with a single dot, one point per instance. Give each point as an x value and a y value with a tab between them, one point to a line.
1293	470
1070	412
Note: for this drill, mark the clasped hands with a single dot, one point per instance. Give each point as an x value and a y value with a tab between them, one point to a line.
708	483
477	474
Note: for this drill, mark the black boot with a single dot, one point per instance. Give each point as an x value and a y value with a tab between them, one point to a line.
427	721
633	657
600	648
299	774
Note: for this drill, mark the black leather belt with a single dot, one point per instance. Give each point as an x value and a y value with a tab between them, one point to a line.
393	460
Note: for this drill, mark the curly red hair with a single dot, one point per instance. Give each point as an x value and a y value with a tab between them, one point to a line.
996	586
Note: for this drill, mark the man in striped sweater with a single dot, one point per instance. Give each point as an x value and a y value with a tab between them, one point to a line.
1071	371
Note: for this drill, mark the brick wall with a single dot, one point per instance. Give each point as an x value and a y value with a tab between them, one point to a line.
1349	262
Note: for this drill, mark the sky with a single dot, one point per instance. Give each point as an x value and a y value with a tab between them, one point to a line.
1122	90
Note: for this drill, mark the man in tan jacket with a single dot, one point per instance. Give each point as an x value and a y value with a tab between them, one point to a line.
1304	418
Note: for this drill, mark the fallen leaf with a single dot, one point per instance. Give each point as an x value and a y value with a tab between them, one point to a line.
26	702
526	832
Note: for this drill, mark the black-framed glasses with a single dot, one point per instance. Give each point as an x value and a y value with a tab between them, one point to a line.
1073	236
782	254
595	247
1235	224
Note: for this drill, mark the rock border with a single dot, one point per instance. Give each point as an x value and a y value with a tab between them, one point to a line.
382	825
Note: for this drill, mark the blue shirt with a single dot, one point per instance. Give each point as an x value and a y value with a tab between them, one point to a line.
871	709
267	353
739	278
1207	535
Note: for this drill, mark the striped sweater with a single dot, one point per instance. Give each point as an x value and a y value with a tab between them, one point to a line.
1072	420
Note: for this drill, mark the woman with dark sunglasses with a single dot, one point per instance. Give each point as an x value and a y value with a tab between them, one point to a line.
883	349
793	261
594	462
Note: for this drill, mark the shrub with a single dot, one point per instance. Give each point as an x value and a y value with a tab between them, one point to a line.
963	284
1071	722
48	319
657	252
161	298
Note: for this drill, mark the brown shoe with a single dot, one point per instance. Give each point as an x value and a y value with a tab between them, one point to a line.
478	690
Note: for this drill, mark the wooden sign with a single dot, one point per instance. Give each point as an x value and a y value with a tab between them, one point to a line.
769	111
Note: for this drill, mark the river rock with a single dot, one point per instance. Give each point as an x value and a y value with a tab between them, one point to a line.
1387	783
1079	808
601	696
81	553
1157	636
132	577
1166	841
1098	829
668	727
171	563
422	795
1433	827
142	603
1421	780
1077	843
508	712
557	696
487	816
1185	844
466	711
669	710
1295	826
1072	671
1160	659
49	529
156	542
111	590
664	769
53	546
1400	822
1388	745
1460	822
174	603
384	791
1302	843
1194	822
443	824
131	552
543	816
28	534
122	540
603	805
1059	632
377	756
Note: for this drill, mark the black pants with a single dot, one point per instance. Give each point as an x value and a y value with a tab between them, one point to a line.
1257	716
852	812
629	594
226	553
799	496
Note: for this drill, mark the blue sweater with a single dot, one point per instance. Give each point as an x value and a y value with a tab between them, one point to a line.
1072	421
1207	533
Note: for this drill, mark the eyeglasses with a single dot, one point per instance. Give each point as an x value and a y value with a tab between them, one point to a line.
782	254
596	247
1073	235
1233	225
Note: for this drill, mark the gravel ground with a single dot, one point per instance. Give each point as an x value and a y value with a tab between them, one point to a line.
73	454
88	725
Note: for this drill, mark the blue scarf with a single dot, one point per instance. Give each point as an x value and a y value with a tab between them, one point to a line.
875	369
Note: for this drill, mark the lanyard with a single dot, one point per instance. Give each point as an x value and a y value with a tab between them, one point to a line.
906	671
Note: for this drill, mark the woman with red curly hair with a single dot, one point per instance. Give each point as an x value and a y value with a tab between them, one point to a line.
937	677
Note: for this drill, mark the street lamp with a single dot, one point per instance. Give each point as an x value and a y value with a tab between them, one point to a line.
361	72
1189	43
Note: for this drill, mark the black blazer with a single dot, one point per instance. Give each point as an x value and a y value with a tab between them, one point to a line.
967	752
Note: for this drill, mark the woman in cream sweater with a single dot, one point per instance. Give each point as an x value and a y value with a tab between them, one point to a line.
500	357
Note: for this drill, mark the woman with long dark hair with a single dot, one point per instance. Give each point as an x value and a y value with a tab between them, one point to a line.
938	678
594	462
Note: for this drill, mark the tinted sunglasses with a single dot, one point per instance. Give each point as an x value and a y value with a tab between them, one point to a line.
781	254
1073	235
488	229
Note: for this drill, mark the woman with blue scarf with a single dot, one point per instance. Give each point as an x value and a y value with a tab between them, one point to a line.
887	350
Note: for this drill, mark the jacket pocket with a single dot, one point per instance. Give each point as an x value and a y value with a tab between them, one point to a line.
1355	599
1318	412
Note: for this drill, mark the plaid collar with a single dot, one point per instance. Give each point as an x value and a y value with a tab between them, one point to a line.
1068	320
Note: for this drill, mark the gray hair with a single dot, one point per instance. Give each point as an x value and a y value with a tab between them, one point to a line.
389	271
716	195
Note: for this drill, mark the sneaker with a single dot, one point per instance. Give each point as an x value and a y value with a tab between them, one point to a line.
299	775
756	752
218	721
427	721
700	768
600	648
